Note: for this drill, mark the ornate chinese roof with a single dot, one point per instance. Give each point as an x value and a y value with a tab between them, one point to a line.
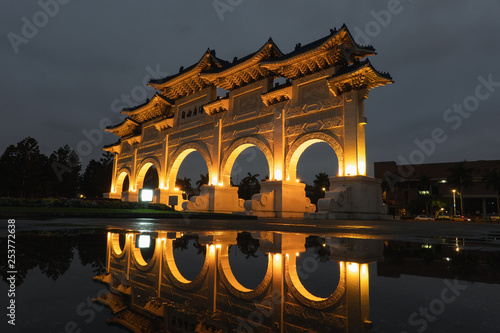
157	106
245	70
360	75
187	80
336	49
128	127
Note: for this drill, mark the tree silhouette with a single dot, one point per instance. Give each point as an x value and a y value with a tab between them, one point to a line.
492	180
24	170
460	176
249	186
202	181
96	179
66	168
184	185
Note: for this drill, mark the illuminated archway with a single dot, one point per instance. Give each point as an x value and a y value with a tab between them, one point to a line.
143	169
137	257
236	148
178	157
122	175
305	141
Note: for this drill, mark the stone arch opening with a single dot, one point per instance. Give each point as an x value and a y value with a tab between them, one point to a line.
192	174
151	178
236	148
304	142
143	169
178	158
122	181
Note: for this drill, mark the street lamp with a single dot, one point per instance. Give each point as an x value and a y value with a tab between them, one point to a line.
454	204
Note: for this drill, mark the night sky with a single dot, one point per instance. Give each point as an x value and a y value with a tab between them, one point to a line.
68	72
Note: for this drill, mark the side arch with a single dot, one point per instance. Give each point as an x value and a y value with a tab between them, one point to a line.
234	151
143	169
120	178
180	154
306	140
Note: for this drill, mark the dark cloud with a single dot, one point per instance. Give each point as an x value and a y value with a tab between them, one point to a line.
66	78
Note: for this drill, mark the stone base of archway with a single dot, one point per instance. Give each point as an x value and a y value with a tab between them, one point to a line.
352	198
169	197
110	195
282	199
215	199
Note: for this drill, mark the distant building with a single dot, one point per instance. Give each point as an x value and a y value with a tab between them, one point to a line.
403	184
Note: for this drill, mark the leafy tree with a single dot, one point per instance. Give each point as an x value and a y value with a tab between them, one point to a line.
65	166
202	181
249	186
184	185
321	182
23	170
96	179
492	180
460	176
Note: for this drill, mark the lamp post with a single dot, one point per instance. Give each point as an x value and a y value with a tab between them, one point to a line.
454	204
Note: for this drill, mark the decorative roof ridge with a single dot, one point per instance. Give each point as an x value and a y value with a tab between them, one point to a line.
239	61
148	100
301	49
183	71
122	123
112	144
358	65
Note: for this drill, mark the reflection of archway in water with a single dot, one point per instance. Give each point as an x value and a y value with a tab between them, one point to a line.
192	167
189	256
316	158
248	264
317	273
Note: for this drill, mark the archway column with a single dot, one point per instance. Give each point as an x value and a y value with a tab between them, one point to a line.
114	194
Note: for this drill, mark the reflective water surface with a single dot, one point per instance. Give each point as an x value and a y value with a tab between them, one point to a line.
152	279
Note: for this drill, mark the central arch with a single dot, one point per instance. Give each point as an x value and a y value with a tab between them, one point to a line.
143	169
305	141
236	148
180	154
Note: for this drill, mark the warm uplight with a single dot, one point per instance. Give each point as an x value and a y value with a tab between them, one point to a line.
278	175
296	254
361	167
162	185
214	180
350	170
277	257
297	180
364	269
287	255
324	189
353	267
176	189
212	249
453	191
220	184
218	246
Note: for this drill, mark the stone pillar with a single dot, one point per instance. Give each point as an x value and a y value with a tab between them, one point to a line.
354	133
214	176
279	146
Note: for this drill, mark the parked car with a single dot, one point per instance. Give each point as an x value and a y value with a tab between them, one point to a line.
424	218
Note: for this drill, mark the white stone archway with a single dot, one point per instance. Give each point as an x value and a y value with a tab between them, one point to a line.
327	82
304	142
236	148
